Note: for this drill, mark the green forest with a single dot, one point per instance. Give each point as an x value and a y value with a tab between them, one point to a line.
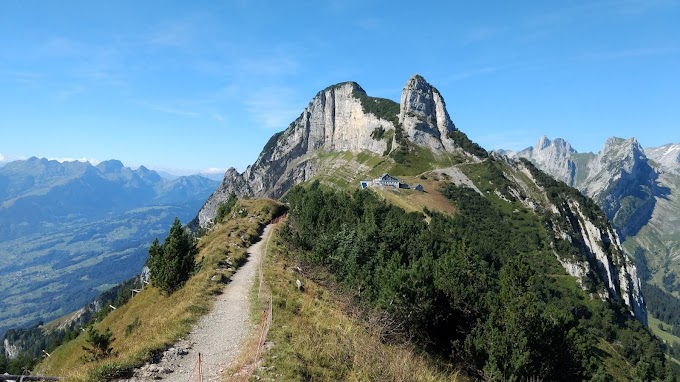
481	288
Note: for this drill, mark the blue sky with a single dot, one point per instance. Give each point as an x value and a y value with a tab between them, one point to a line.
192	85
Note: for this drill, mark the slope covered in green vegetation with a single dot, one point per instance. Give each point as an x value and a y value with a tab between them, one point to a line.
481	288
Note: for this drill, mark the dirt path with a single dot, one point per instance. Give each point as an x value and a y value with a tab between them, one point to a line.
217	336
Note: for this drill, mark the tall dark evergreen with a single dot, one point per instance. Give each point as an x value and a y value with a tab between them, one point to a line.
172	264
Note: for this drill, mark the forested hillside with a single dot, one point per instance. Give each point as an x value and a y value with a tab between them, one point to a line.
481	288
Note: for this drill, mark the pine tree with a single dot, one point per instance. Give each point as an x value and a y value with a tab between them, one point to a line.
100	344
171	265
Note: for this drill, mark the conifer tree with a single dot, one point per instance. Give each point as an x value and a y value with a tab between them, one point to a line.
100	344
171	265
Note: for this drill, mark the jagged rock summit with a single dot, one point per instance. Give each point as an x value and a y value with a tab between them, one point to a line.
553	157
614	177
666	156
637	188
343	117
424	117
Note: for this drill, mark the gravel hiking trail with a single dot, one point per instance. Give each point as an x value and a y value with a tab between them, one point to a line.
217	336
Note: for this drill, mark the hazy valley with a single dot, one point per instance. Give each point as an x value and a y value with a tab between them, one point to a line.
72	230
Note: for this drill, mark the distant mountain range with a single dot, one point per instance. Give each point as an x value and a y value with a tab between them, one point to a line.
216	176
70	230
638	188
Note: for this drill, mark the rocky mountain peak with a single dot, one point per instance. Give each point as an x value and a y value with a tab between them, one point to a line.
147	174
110	166
619	171
621	154
343	117
554	157
666	157
424	117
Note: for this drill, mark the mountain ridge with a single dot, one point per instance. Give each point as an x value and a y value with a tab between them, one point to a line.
618	177
342	117
69	186
638	188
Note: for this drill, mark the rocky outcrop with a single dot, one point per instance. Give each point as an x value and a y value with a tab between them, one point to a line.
601	264
667	157
233	183
11	350
602	248
341	117
619	177
553	157
334	120
423	116
623	183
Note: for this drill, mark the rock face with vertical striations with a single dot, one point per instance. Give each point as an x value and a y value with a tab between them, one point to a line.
619	178
639	190
424	117
341	117
597	259
553	157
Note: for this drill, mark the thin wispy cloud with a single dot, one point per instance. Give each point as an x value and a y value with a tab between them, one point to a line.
273	107
479	34
169	110
635	8
277	63
214	170
21	77
106	77
565	16
178	34
66	94
628	53
512	139
64	47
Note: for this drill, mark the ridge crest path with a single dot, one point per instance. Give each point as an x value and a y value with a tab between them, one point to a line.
217	336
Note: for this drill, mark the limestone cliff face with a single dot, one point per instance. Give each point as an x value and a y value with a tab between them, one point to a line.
232	182
553	157
601	257
603	251
339	118
619	177
334	120
423	116
622	181
667	157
